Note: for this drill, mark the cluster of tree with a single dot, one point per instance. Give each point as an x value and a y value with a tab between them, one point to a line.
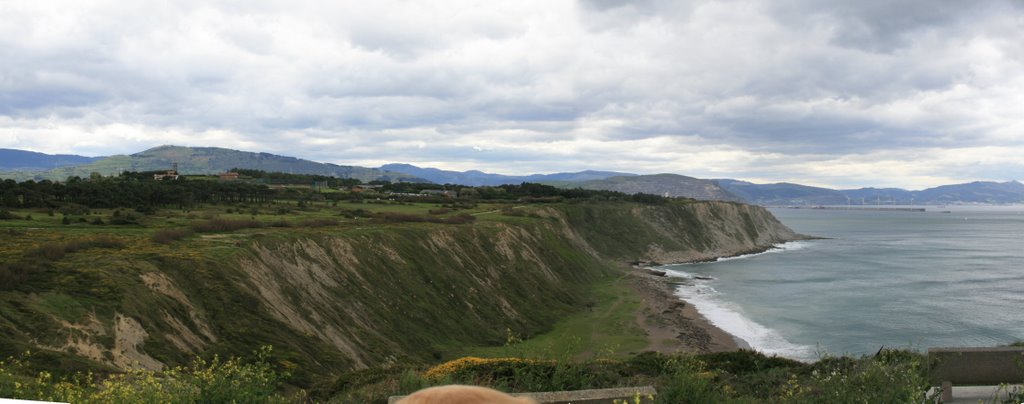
278	178
410	187
128	191
533	192
524	192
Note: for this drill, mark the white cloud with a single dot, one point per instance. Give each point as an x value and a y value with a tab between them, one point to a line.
792	90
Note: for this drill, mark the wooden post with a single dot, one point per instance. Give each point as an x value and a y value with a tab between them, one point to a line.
947	391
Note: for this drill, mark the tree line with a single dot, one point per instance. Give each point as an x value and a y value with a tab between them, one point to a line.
129	190
140	191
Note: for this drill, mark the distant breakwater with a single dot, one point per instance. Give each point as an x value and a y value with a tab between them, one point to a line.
859	208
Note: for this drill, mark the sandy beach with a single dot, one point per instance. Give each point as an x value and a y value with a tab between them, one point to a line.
673	325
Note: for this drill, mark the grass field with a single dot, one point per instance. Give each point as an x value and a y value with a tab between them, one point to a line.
607	329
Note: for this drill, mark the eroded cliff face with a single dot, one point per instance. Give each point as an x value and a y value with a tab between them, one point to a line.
675	233
336	300
724	229
417	291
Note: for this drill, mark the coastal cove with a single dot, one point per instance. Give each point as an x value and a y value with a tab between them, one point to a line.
948	276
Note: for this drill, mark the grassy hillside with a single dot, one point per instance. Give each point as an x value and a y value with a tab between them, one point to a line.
335	292
204	160
337	297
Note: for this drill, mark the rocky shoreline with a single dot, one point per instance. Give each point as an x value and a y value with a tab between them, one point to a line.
673	325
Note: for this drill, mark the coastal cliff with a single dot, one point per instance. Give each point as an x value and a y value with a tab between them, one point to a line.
677	233
351	297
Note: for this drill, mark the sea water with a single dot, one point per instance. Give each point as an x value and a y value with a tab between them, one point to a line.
949	276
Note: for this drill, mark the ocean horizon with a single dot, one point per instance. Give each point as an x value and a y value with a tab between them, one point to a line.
948	276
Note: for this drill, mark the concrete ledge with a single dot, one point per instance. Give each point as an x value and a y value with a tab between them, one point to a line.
596	396
976	366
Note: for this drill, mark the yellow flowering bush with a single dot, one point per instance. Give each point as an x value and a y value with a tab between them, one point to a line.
454	366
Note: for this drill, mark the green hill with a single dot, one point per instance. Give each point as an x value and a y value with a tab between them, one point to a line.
206	160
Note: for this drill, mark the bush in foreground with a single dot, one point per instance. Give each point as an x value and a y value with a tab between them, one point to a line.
742	376
213	381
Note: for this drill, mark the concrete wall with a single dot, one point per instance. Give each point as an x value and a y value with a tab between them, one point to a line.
976	366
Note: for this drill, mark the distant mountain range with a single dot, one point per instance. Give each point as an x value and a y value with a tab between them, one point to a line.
24	165
11	159
783	194
796	194
204	160
478	178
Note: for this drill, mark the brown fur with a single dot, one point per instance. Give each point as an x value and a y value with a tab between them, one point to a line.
457	394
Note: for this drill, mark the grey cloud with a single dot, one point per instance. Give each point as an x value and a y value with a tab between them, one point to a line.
797	77
605	5
880	25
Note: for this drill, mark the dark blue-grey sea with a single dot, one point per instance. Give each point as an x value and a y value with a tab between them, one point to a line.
949	276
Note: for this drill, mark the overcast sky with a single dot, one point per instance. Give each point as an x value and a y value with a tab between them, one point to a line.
856	93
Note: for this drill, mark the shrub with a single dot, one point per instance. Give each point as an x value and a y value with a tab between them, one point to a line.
56	251
12	274
894	377
520	374
74	209
394	217
317	223
167	236
47	252
747	361
122	220
6	215
460	219
477	368
213	381
95	242
354	213
353	380
219	225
